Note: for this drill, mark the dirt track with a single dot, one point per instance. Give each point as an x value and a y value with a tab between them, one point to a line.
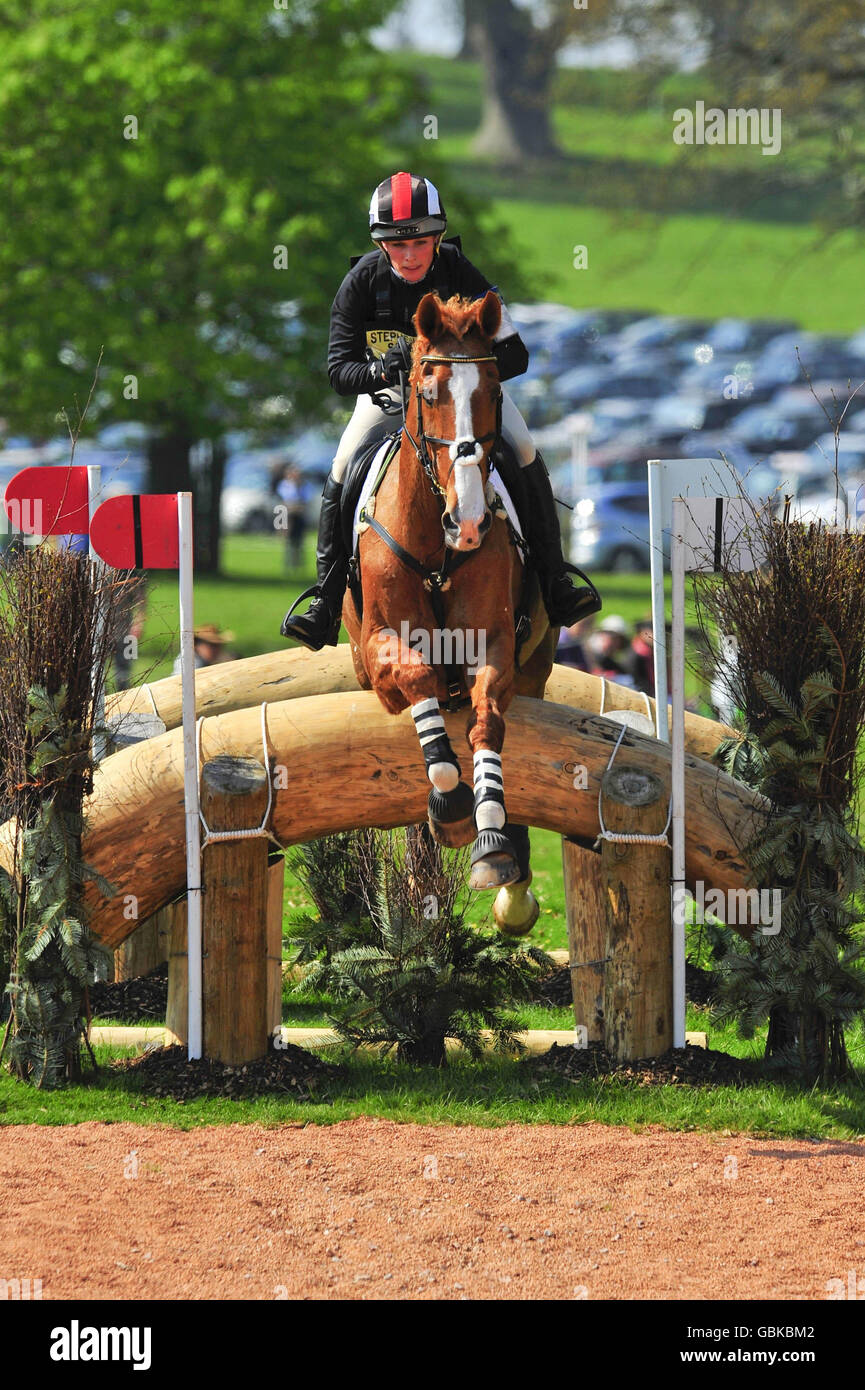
373	1209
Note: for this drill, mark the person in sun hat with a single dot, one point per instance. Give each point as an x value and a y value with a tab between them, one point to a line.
210	645
371	319
608	647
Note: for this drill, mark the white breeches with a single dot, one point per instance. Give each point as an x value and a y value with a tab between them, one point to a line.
367	415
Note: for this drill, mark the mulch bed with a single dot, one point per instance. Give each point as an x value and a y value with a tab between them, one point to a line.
555	988
141	1000
291	1071
688	1066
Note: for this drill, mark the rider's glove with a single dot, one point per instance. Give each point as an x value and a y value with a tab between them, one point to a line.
396	360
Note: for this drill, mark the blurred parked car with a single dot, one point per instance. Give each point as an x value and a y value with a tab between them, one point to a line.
764	428
851	453
584	384
610	529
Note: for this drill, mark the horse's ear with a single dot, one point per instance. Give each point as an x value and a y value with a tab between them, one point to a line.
490	314
428	319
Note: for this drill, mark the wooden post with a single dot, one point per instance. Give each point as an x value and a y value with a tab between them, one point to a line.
234	879
587	934
275	891
638	995
147	947
178	976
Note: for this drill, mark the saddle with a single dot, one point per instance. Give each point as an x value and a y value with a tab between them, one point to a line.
370	453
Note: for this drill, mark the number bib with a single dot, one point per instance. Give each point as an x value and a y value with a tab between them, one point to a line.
380	339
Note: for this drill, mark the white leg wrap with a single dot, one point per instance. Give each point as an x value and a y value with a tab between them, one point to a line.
430	726
490	812
490	815
444	776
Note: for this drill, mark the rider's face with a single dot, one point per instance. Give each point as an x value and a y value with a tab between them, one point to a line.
411	258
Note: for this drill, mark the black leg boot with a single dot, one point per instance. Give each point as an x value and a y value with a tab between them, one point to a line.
565	603
319	626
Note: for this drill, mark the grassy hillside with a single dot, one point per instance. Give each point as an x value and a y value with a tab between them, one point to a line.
692	230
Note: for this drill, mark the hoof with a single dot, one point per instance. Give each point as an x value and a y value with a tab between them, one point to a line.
516	909
494	863
450	816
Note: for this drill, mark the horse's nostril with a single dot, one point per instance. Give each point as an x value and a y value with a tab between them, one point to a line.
466	448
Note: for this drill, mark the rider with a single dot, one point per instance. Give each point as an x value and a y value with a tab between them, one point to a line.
372	311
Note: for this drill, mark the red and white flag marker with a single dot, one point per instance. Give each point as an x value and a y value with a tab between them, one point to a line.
152	531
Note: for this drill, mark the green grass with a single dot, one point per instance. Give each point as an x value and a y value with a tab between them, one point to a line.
707	231
493	1092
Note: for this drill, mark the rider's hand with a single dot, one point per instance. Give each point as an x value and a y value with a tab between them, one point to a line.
396	360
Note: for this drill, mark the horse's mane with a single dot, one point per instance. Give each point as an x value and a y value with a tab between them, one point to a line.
459	318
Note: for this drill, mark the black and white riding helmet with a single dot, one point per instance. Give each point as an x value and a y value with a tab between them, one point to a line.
406	206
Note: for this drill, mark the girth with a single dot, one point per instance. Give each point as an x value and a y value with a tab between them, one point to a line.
437	581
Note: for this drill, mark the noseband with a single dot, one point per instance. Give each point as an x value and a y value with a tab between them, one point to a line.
423	439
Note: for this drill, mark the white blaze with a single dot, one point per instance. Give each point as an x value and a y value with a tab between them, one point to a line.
465	379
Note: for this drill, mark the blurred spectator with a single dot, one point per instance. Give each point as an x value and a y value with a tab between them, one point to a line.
130	616
211	647
294	493
608	650
571	649
642	657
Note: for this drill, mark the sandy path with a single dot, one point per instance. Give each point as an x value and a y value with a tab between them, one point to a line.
373	1209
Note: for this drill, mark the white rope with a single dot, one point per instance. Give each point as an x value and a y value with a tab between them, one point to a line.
617	837
212	837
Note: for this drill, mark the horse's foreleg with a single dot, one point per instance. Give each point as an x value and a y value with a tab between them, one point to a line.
449	807
494	859
400	677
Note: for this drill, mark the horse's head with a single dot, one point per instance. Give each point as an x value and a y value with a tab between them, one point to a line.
456	384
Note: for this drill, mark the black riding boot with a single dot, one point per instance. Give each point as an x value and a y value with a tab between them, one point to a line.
565	603
319	626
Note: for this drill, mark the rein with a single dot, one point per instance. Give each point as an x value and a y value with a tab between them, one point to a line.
420	444
434	581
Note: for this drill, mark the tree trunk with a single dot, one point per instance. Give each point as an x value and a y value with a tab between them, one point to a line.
469	50
518	64
171	471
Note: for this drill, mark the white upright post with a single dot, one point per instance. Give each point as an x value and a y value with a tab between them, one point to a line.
678	770
580	426
657	522
94	488
190	780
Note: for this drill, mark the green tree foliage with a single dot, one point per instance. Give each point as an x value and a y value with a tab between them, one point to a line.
806	59
185	186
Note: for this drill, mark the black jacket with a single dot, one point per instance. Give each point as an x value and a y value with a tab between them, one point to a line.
373	307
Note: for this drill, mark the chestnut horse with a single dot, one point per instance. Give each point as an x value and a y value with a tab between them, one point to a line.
457	583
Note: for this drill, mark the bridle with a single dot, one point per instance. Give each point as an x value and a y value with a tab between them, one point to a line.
420	444
434	581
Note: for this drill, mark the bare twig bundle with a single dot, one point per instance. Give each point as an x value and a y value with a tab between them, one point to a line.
57	616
